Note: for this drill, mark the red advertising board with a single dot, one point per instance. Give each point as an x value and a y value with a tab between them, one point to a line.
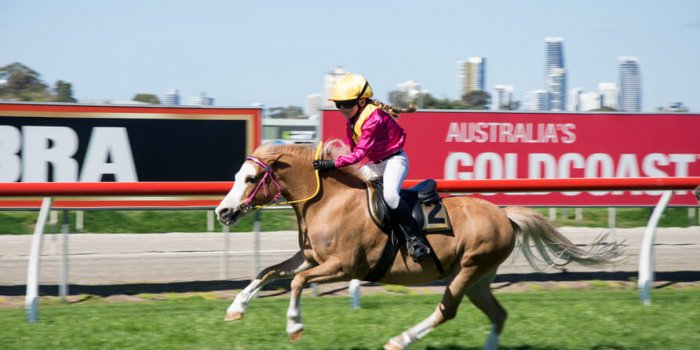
517	145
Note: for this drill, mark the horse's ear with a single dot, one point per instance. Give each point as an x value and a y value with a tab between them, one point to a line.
280	164
276	163
275	158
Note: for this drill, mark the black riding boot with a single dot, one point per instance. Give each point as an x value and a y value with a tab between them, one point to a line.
416	243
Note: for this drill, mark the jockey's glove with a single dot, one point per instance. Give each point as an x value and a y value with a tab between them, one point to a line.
324	164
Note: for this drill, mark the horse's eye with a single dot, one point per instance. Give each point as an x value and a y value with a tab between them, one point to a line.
250	179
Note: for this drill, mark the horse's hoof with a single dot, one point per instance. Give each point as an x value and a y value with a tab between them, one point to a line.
233	316
296	336
392	345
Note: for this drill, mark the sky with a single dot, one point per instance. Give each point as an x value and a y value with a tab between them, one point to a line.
277	52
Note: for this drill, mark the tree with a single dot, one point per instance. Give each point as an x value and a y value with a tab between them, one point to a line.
23	84
476	99
399	99
430	102
147	98
64	92
511	106
289	112
604	109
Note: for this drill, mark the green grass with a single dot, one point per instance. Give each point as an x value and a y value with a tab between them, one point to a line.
155	221
147	221
547	320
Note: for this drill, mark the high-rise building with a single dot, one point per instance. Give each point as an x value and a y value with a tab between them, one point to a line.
407	93
536	100
172	98
501	97
556	86
590	101
609	94
312	105
630	83
574	101
328	81
471	75
201	100
555	74
411	88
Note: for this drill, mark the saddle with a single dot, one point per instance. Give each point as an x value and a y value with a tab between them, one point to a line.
427	211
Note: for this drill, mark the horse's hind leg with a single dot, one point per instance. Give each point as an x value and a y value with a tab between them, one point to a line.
482	297
445	311
287	268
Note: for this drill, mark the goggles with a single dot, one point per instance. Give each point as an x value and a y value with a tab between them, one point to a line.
345	104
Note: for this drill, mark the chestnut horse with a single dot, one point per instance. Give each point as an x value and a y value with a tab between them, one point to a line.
338	241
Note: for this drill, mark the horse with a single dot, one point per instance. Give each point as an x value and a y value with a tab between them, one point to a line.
338	241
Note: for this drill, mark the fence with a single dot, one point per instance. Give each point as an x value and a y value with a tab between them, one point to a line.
49	190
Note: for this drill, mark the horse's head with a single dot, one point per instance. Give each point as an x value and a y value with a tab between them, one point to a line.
254	184
266	173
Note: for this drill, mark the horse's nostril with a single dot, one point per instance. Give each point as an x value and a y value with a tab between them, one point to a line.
224	212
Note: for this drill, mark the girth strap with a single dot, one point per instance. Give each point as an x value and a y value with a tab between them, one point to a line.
385	260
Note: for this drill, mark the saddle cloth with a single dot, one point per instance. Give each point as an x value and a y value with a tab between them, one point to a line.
426	207
428	211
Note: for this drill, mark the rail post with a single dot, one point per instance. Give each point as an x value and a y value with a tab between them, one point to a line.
31	301
63	274
256	244
646	254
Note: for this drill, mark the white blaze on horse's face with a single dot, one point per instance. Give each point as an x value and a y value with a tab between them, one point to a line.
228	210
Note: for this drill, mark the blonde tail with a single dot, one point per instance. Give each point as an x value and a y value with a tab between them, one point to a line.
552	247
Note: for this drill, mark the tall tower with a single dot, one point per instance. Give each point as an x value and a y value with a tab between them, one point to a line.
471	75
574	103
201	100
501	97
172	98
609	94
536	100
555	74
630	83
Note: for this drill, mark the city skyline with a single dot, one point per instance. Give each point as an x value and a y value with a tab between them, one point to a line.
242	53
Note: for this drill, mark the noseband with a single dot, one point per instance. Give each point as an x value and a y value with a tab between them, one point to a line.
267	177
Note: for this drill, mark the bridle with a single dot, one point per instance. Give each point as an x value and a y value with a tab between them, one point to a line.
269	177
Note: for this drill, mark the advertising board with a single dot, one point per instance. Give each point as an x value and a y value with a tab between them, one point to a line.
69	143
517	145
105	143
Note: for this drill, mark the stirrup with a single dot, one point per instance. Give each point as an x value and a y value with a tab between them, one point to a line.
418	249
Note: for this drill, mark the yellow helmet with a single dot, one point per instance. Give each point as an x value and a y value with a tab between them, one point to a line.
351	87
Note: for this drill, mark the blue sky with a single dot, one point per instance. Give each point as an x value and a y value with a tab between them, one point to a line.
276	52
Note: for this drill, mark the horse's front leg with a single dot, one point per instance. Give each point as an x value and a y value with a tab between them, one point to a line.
287	268
329	271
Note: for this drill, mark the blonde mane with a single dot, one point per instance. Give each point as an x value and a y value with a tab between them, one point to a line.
305	152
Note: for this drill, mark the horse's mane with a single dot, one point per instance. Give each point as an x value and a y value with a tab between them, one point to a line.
306	152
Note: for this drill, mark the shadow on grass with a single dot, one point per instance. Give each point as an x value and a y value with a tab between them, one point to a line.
282	286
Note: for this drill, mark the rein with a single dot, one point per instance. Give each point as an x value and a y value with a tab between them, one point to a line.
268	177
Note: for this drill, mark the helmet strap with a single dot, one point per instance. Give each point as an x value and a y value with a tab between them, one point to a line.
359	97
364	88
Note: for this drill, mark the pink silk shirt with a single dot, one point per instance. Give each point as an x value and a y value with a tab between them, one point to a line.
381	137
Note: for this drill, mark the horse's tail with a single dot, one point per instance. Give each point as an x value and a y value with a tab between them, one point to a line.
551	245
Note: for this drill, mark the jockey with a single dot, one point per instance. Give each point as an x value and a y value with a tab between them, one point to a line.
372	132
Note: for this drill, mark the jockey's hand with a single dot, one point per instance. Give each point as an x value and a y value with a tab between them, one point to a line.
324	164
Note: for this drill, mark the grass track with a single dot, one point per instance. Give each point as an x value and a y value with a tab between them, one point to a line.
545	320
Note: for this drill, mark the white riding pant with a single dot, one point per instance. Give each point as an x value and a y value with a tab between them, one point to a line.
394	171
